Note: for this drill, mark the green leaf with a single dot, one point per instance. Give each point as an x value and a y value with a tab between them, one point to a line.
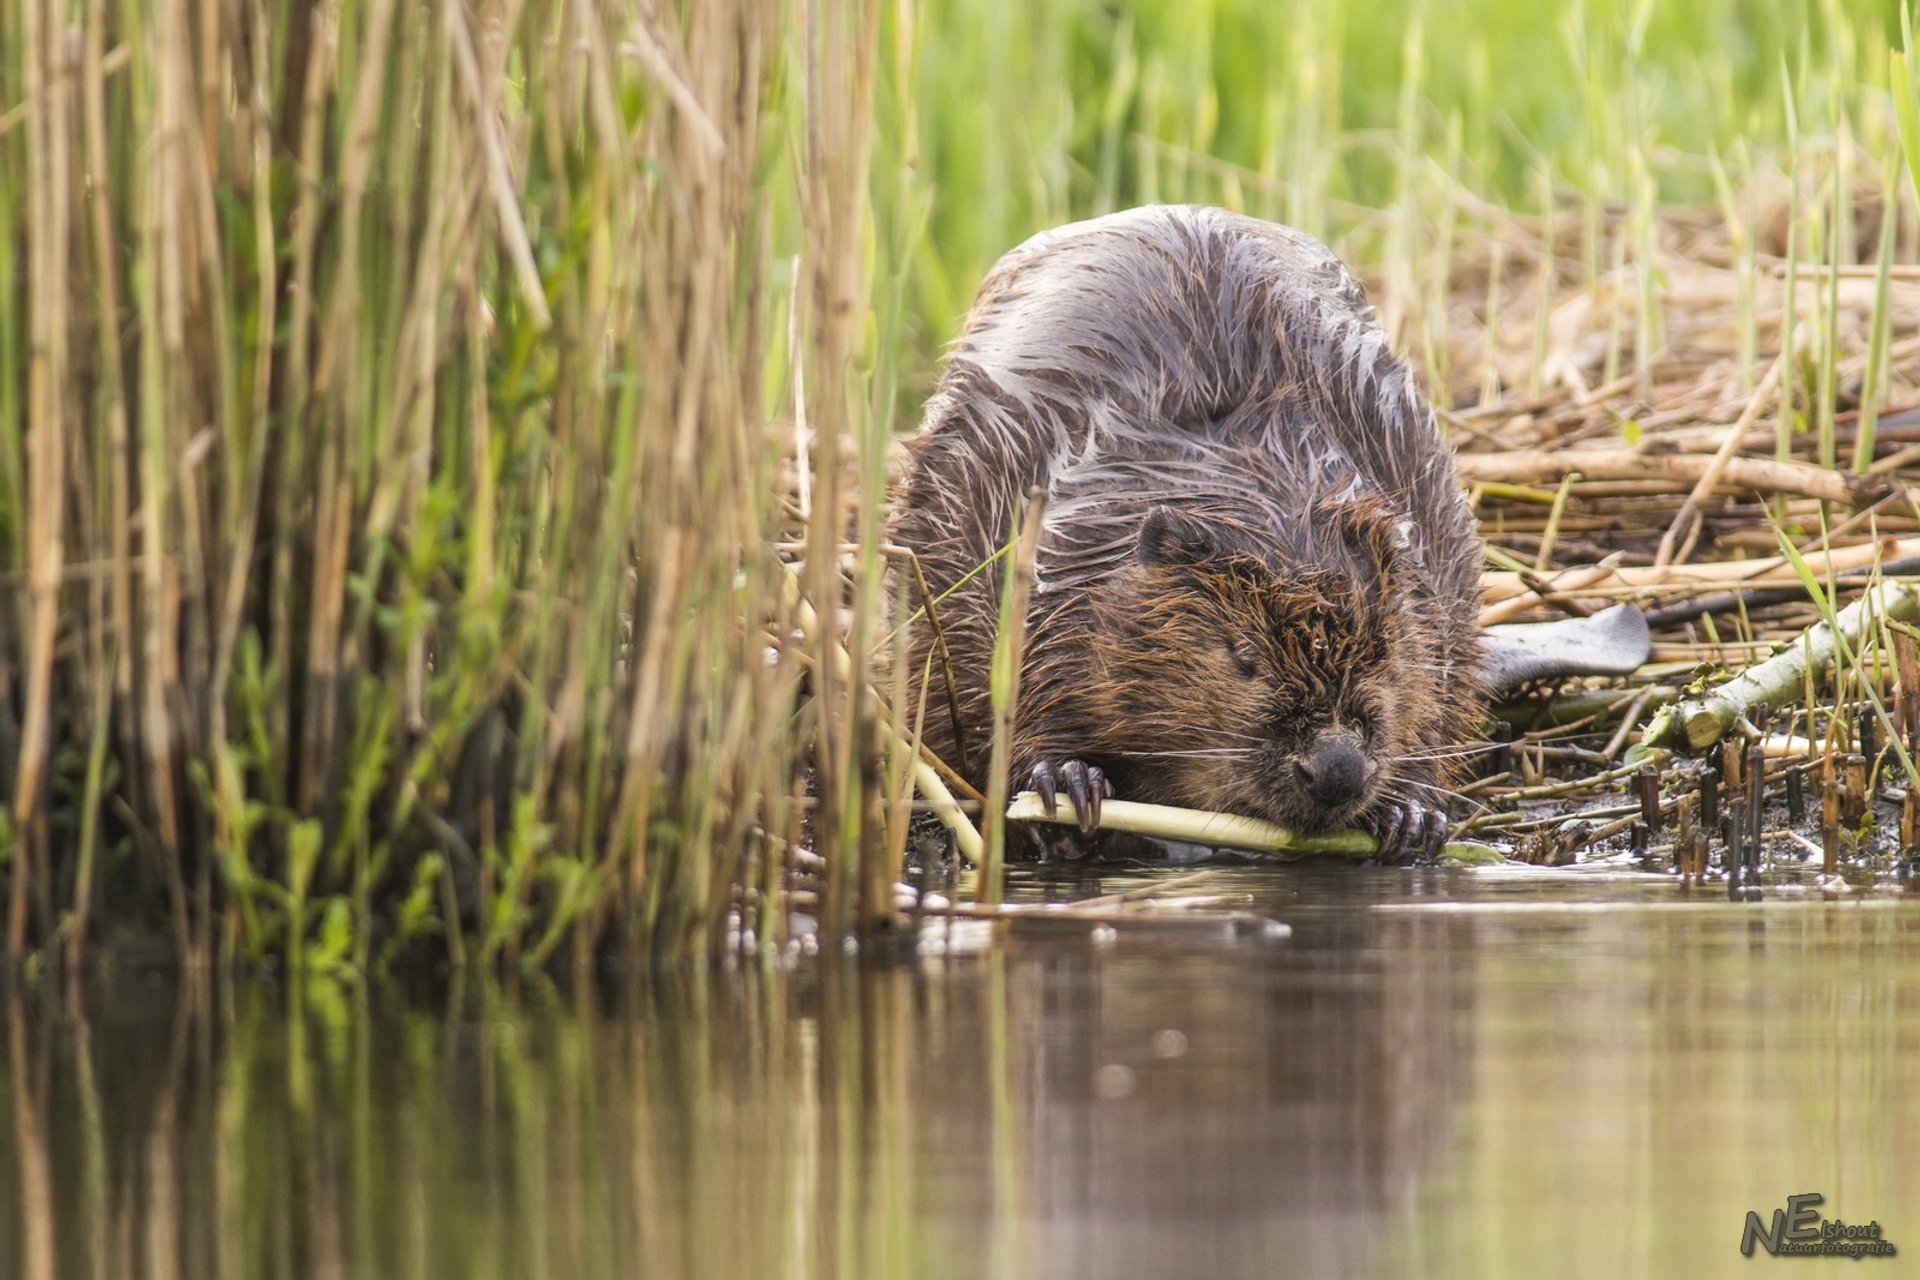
328	952
1906	108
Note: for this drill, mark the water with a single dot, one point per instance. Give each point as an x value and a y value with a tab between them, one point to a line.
1437	1074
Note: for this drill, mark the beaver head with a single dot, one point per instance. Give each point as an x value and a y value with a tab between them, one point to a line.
1235	667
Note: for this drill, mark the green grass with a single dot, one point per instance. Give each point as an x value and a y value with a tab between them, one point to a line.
397	414
1331	116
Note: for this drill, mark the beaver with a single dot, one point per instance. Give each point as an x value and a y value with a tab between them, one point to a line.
1256	583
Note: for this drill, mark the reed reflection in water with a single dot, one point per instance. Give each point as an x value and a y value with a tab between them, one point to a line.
1388	1093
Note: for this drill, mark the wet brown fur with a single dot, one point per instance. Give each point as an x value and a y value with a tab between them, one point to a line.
1254	537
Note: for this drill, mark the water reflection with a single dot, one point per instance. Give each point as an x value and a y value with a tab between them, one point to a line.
1406	1086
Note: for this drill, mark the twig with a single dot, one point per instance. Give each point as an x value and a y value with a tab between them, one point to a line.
1772	571
1699	722
925	778
1223	830
1760	475
1722	461
1723	602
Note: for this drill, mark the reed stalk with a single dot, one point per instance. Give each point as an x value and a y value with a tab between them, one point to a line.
386	495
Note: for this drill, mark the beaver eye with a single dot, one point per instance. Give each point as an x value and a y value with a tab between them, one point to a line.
1245	658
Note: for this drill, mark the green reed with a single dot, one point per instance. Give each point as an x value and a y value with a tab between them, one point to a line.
387	496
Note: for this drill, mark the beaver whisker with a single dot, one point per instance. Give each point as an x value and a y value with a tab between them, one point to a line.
1446	753
1244	737
1432	788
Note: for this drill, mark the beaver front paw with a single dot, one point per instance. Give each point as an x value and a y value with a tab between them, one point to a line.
1408	831
1086	786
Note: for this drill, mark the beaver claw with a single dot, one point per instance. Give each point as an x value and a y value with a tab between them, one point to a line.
1408	832
1085	784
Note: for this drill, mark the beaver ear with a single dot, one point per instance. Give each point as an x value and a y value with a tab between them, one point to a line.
1373	538
1172	537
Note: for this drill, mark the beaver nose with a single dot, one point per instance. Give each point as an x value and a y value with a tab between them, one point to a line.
1333	772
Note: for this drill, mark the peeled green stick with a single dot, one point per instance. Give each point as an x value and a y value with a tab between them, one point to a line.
1226	830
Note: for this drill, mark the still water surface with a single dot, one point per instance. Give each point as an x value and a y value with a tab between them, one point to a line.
1438	1074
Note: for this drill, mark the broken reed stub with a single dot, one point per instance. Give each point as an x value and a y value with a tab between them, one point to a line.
1853	791
1646	785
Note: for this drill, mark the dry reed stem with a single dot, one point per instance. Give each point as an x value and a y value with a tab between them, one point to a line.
841	38
48	84
1686	523
1535	590
1718	575
500	184
1734	474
